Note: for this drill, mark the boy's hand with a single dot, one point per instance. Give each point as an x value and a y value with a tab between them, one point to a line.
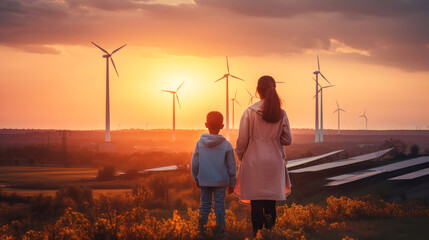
230	190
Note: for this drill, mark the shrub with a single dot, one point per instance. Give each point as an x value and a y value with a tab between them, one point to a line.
106	173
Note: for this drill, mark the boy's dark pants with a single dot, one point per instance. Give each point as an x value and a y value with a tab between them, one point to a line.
218	194
263	211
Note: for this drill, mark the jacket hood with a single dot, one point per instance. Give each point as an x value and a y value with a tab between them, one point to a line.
258	107
211	140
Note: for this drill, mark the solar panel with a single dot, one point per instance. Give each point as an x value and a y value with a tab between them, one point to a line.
160	169
412	175
301	161
351	177
344	162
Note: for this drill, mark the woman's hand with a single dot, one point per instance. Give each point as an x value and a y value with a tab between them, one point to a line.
230	190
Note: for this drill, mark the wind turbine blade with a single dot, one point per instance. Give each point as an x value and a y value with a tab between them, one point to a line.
100	48
325	78
111	59
227	64
236	77
250	101
338	105
342	110
335	111
235	93
328	86
280	82
249	93
318	65
177	97
118	49
168	91
317	82
364	112
220	79
237	102
180	86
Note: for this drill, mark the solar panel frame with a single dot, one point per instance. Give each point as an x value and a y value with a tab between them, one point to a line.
412	175
358	175
345	162
301	161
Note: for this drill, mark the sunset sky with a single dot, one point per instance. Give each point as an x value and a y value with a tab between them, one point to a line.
376	53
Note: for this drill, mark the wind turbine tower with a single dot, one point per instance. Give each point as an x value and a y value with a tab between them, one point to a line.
234	100
321	109
317	100
175	96
226	76
366	119
339	110
107	56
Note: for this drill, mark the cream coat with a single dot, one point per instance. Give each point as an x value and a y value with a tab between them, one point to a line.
262	173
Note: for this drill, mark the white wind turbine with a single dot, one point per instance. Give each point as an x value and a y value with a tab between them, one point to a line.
251	97
226	76
321	108
317	98
366	119
339	110
234	100
107	56
175	96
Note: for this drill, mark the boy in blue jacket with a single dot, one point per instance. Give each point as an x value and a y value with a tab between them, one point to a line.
213	168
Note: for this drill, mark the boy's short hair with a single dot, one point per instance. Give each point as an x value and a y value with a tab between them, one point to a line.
214	118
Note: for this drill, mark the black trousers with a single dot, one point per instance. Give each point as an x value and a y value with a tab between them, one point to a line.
263	212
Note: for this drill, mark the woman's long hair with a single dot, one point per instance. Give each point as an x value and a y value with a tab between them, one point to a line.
272	107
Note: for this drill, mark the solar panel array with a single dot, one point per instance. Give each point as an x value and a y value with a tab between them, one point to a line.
345	162
301	161
351	177
412	175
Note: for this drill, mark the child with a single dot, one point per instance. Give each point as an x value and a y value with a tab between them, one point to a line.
213	168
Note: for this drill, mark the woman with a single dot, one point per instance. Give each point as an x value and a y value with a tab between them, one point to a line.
262	177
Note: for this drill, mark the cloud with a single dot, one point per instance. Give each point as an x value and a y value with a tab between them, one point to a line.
281	8
387	32
39	49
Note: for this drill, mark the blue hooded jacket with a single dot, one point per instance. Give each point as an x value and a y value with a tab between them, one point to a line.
213	162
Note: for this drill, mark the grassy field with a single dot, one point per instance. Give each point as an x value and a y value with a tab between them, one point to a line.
34	192
392	229
28	175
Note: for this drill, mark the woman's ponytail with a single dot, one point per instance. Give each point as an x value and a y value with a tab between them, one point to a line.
267	89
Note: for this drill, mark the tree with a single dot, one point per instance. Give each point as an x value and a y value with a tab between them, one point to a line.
414	150
398	146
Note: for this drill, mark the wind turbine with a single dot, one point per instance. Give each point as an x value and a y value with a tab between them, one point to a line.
234	100
366	119
226	76
317	98
251	97
339	110
175	96
107	56
321	108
